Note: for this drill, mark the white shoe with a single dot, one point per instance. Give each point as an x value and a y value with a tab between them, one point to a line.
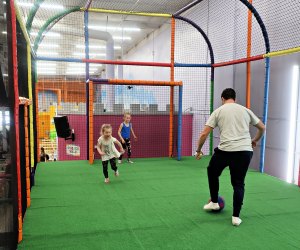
236	221
106	180
211	206
119	161
117	173
129	161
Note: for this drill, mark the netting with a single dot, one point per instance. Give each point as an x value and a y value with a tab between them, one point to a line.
61	85
59	41
7	171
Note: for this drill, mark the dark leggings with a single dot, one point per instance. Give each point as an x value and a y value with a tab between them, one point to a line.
112	164
238	163
128	146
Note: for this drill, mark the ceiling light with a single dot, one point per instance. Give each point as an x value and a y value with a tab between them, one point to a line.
54	34
91	46
4	32
96	47
46	71
47	53
111	28
122	37
78	73
43	5
90	54
47	45
45	64
4	2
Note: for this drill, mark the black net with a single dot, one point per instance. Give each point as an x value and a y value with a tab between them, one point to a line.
8	185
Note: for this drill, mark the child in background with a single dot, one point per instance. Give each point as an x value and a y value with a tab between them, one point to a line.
43	156
106	148
124	134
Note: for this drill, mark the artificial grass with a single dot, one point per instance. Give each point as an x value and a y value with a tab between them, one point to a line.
155	204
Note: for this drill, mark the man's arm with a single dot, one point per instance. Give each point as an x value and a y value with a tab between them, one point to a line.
202	138
260	132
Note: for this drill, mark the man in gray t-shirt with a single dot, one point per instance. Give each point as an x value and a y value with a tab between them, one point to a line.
235	149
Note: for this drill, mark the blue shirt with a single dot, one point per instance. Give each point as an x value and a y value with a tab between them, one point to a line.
125	132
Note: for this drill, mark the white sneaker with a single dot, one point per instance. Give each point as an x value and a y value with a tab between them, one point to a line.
211	206
106	180
117	173
236	221
129	161
119	161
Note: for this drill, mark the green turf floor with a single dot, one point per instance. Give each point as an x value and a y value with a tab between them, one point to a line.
155	204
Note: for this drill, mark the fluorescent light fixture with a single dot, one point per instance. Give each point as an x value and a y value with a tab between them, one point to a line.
4	32
46	70
52	72
111	28
122	37
78	73
5	74
82	68
43	5
293	120
52	34
79	66
46	64
48	53
4	2
47	45
96	47
91	54
79	46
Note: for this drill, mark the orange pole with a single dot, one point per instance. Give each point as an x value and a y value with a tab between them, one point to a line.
27	155
171	129
91	122
248	77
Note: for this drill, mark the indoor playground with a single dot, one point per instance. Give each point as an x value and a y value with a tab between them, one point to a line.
68	67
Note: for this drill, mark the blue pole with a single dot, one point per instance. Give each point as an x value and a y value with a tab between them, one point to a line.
58	59
265	115
179	124
87	76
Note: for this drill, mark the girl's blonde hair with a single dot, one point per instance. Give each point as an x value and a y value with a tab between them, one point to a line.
105	126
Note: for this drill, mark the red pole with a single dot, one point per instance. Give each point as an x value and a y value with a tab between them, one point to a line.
242	60
171	129
16	114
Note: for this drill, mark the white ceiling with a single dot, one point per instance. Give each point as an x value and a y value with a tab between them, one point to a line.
66	38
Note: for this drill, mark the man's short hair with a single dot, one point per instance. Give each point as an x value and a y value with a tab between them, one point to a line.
228	93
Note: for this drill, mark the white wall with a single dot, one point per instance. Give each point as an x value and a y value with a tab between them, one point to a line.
227	30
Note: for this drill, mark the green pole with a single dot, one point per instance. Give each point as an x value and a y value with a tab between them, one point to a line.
48	22
32	13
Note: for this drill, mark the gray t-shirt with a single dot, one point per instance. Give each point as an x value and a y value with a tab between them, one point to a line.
233	120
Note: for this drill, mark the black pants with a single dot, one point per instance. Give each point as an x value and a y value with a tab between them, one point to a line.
128	146
112	164
238	163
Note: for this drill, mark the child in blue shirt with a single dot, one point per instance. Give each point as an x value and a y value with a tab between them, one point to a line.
124	133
